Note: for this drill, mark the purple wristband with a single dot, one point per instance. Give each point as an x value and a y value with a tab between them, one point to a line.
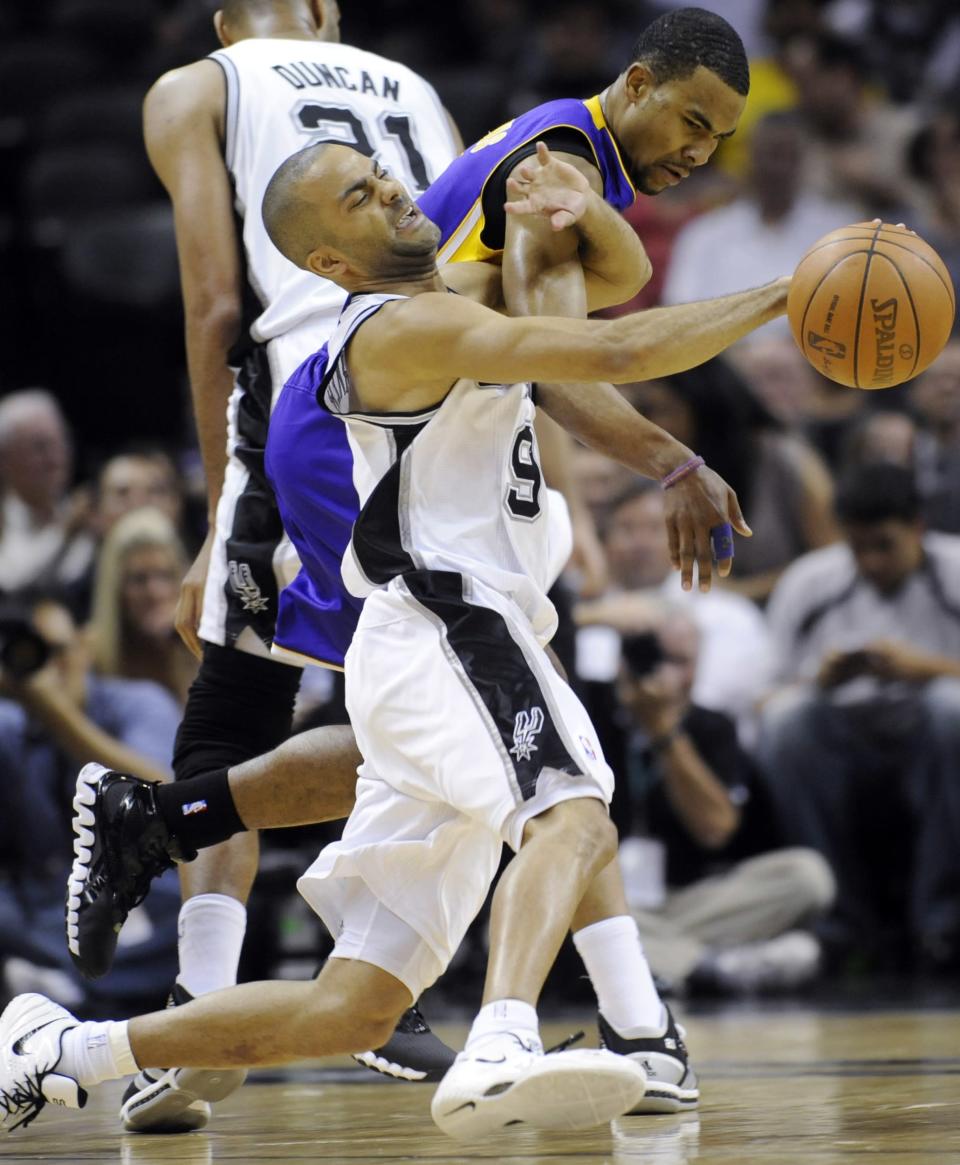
681	472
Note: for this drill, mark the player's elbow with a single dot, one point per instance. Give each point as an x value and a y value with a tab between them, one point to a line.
644	272
217	314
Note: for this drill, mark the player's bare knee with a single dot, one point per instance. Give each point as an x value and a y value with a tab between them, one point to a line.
583	827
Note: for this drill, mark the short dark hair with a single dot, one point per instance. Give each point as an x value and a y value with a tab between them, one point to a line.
878	492
283	208
678	42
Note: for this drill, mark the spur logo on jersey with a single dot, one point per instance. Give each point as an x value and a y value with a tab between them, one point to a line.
243	585
527	726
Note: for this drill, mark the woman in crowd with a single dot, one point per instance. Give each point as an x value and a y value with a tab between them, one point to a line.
138	577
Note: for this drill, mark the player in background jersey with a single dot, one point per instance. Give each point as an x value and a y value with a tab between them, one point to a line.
215	132
408	346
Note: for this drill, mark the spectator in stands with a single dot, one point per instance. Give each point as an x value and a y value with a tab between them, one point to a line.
132	632
935	403
716	901
925	440
765	230
50	723
128	480
783	486
734	661
934	158
858	138
132	479
41	526
799	396
863	747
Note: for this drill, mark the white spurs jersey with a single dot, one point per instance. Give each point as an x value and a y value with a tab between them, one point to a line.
283	95
457	487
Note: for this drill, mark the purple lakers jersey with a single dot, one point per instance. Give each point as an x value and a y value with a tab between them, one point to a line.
466	201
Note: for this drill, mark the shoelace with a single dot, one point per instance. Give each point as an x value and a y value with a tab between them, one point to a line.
575	1038
25	1097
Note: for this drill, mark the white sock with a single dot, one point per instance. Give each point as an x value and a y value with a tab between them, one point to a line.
497	1023
211	929
96	1051
620	974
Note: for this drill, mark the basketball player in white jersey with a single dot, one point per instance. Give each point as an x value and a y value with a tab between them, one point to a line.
215	132
469	735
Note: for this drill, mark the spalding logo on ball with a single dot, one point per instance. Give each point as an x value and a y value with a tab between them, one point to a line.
871	305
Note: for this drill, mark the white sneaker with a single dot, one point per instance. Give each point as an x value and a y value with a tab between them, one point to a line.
563	1090
671	1082
175	1100
779	964
31	1029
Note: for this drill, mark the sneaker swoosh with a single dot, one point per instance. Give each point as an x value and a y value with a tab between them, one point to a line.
480	1060
18	1044
461	1107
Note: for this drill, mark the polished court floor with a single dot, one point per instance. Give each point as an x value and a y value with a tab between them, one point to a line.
881	1088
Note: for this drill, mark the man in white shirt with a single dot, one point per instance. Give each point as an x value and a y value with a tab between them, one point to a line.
39	540
867	635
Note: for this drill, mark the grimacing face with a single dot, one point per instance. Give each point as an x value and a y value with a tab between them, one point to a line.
667	130
376	225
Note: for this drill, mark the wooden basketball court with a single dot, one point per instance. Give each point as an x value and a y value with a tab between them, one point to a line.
792	1086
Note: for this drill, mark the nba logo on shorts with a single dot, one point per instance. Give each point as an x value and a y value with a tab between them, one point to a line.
588	747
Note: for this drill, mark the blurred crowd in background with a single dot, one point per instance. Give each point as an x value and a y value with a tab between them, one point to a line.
786	746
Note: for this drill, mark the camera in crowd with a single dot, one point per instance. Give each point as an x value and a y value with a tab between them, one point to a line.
642	653
22	650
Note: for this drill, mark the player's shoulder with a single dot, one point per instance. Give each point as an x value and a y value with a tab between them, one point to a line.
944	551
804	580
186	87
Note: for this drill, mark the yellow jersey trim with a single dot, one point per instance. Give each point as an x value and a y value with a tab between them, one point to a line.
460	247
596	112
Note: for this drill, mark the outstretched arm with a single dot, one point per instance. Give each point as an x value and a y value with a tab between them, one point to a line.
182	132
406	356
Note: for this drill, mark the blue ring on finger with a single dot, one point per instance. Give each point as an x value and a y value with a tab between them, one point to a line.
721	542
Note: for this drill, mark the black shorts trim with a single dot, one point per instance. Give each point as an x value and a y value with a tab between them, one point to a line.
501	676
256	529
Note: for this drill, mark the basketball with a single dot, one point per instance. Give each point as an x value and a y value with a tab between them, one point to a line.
871	305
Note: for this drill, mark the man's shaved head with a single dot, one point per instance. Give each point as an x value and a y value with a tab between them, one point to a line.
333	210
294	223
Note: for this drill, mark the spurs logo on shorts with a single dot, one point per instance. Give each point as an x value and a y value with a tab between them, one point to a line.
243	585
526	727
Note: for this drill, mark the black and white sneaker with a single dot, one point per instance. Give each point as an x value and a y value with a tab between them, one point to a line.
176	1100
671	1082
120	844
413	1052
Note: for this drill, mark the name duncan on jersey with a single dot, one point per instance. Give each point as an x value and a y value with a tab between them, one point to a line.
313	74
